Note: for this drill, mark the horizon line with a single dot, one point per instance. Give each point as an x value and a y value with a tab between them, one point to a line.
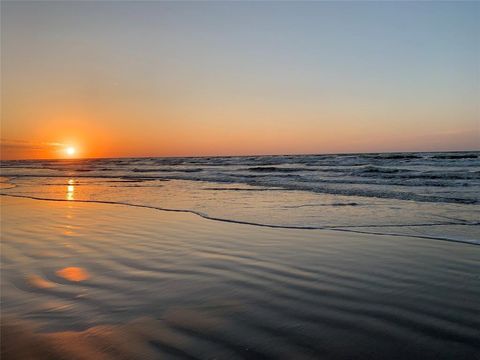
248	155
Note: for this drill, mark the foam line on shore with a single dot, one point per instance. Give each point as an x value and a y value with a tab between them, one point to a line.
240	222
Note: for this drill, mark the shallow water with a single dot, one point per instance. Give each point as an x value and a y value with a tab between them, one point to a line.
153	284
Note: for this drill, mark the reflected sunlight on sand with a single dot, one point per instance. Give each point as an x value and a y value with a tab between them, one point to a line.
73	274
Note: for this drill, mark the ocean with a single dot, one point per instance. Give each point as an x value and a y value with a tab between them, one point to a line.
423	195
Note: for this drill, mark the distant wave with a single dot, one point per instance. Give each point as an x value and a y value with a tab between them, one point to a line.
381	170
277	169
166	170
450	177
394	156
455	156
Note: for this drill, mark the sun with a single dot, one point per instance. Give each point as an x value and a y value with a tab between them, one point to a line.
70	150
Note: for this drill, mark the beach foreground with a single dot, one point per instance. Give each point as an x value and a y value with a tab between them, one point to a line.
103	281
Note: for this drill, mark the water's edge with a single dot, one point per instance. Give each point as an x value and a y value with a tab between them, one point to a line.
207	217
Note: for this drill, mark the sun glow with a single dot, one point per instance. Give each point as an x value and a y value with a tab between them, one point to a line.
70	150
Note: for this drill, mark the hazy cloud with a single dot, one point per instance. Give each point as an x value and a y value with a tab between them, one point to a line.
10	144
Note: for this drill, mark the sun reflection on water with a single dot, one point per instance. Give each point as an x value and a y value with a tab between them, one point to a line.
70	190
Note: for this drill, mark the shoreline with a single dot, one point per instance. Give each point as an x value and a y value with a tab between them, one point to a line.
273	226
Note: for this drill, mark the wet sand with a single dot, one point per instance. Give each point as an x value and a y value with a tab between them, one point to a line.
84	281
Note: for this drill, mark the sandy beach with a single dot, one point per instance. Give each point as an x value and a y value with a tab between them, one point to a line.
85	280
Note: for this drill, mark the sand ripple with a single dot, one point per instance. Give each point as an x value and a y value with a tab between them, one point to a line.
139	283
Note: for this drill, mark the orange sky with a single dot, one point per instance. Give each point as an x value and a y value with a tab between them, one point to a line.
164	79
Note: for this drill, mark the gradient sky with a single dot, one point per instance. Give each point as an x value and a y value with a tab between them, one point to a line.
217	78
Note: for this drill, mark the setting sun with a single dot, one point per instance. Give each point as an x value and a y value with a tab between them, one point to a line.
70	150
